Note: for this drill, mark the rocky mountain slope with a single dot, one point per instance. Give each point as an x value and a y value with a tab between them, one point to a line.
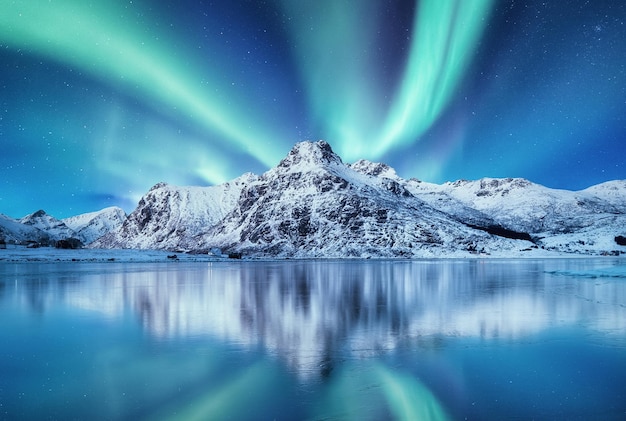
41	228
314	205
12	230
168	215
88	227
54	228
586	221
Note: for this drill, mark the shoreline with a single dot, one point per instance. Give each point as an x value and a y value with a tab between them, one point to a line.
22	254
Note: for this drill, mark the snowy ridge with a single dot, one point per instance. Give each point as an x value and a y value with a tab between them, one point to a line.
167	215
519	204
12	230
93	225
55	228
44	229
313	205
610	192
586	221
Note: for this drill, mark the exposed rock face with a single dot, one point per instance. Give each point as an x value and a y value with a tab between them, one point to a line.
583	221
313	205
168	215
520	205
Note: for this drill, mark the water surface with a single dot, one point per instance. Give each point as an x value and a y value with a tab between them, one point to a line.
466	339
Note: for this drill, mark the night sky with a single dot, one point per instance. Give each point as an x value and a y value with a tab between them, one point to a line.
101	99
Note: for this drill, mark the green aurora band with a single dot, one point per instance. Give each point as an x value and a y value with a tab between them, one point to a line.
335	48
96	38
335	45
370	390
445	35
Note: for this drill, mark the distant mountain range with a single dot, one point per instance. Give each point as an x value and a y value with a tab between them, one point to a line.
313	205
41	228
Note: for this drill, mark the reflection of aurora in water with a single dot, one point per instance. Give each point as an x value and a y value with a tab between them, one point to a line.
365	339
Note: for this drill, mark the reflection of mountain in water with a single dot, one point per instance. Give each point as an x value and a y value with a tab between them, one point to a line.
304	310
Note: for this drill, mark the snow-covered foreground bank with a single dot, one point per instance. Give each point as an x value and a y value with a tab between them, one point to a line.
50	254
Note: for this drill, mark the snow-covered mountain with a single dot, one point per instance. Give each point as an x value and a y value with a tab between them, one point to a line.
611	193
314	205
12	230
41	228
55	228
168	215
586	221
88	227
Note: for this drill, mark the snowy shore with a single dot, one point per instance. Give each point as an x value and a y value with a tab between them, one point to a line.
21	254
49	254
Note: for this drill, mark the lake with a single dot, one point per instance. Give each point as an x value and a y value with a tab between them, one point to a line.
314	340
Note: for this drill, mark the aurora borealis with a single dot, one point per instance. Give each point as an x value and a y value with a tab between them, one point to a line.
102	99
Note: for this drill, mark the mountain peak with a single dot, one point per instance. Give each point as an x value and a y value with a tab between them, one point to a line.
38	214
310	153
313	205
35	217
159	185
374	169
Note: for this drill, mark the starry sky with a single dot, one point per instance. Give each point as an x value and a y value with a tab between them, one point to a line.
101	99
